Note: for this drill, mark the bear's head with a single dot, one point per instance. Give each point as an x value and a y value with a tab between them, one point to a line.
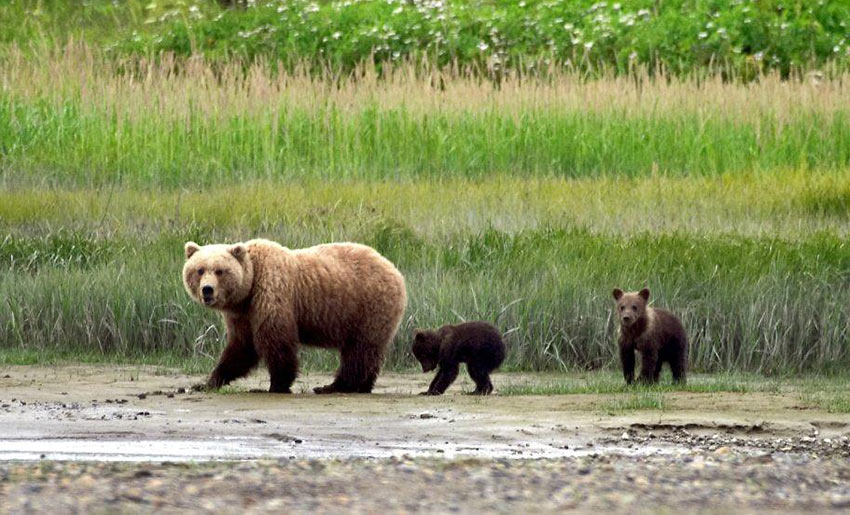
631	306
426	348
218	276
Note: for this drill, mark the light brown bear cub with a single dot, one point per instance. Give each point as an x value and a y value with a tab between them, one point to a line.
656	333
339	296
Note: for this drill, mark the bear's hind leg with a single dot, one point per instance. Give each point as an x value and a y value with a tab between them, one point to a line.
679	368
283	369
657	374
481	376
359	364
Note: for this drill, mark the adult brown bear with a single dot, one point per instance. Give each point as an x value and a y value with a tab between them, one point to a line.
342	296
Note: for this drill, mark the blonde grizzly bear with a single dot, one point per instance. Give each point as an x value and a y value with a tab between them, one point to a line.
342	296
656	333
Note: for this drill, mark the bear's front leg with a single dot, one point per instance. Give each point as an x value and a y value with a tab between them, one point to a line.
627	359
238	358
278	344
444	378
648	361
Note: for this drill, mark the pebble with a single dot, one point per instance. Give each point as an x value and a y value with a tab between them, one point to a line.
607	483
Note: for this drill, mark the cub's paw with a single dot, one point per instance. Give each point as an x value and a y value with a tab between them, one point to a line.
429	392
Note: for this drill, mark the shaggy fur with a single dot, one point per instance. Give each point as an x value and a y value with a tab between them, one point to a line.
342	296
478	344
656	333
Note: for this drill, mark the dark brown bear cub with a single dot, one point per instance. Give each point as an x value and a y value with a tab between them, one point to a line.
478	344
656	333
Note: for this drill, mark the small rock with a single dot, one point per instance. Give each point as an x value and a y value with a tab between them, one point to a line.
840	501
426	416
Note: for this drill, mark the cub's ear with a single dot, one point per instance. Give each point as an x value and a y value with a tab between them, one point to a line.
418	334
617	293
238	251
644	293
190	248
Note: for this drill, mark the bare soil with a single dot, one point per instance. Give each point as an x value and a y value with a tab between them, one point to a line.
108	438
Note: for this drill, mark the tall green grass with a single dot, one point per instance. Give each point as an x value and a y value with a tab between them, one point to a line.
107	276
71	117
524	204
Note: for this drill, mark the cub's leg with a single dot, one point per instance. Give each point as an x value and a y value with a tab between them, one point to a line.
648	361
627	359
444	378
481	376
679	367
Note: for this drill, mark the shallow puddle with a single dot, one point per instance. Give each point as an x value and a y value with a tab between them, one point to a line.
244	448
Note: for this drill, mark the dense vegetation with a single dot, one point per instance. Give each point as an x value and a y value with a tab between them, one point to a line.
524	201
744	37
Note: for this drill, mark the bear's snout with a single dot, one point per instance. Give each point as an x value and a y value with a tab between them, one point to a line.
207	292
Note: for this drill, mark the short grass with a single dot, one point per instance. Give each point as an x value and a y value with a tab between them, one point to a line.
634	402
609	382
824	393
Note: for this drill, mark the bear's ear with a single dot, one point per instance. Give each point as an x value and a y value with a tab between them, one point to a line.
617	293
238	251
190	248
644	293
417	335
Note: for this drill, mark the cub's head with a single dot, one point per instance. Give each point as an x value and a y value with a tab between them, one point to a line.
426	348
218	276
631	306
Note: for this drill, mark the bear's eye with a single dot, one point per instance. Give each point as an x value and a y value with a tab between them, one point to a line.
200	271
634	307
219	272
622	308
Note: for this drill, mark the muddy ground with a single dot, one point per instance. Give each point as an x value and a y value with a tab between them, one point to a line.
108	438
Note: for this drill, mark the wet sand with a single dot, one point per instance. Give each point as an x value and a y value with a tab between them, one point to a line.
67	418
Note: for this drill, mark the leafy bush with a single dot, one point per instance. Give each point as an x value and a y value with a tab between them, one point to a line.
741	36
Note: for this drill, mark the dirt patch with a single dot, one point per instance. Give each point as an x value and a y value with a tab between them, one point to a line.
150	414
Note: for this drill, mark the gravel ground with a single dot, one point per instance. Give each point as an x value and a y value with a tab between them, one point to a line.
713	481
812	446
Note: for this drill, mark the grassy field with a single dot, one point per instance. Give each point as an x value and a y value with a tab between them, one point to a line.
69	116
524	203
749	262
